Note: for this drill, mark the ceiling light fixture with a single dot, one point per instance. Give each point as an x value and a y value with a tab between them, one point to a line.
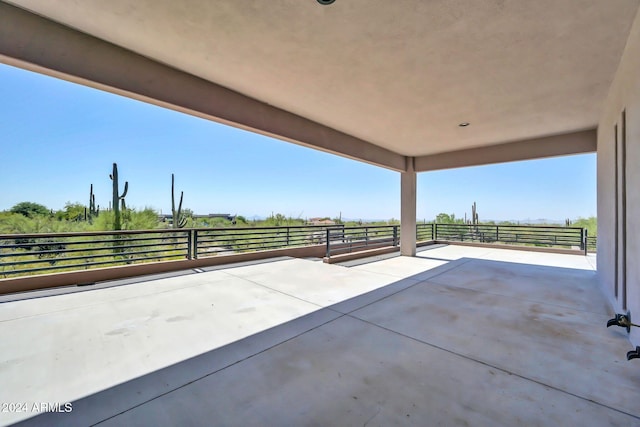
325	2
464	124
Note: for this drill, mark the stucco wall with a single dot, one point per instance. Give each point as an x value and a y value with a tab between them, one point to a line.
624	95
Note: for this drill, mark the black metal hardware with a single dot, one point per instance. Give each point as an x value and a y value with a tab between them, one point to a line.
634	354
622	320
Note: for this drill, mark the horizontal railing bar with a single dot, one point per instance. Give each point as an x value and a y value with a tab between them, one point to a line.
504	226
182	239
91	233
353	248
523	236
260	235
248	246
104	248
281	227
240	240
362	247
531	232
59	267
235	229
508	232
236	238
49	260
370	243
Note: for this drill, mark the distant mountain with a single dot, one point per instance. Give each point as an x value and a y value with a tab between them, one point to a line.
419	220
544	221
364	219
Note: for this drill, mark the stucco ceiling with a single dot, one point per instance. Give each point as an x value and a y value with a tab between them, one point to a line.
401	74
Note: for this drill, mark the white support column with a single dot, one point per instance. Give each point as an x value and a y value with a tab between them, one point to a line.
408	209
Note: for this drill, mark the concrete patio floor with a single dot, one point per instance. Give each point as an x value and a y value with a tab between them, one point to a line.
455	336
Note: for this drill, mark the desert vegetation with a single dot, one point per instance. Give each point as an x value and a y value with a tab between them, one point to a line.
217	234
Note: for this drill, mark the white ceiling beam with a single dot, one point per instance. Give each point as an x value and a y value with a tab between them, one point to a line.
551	146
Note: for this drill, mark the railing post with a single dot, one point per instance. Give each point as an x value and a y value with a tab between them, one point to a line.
189	243
366	236
287	237
395	235
328	244
434	231
497	233
194	242
582	239
586	241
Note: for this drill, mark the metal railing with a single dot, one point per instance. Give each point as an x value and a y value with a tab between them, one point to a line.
521	235
544	236
350	239
425	232
22	254
222	241
26	254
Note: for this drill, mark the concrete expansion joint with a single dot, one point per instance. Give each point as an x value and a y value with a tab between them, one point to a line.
273	289
456	264
379	299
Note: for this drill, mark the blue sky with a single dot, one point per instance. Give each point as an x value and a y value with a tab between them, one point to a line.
58	138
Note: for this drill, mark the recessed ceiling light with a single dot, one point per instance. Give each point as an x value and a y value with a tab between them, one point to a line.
464	124
325	2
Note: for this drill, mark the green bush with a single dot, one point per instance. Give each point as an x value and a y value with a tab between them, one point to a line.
30	209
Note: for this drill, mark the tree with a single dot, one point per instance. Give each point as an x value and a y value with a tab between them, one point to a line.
74	211
443	218
30	209
145	219
591	224
12	223
276	220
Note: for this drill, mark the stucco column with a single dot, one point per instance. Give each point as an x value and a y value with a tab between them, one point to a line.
408	210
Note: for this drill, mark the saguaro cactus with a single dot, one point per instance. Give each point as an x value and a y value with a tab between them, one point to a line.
92	204
117	221
474	214
179	221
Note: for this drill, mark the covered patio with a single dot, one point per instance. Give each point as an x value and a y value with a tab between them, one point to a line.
446	336
454	336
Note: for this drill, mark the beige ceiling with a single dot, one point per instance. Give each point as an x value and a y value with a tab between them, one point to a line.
401	74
